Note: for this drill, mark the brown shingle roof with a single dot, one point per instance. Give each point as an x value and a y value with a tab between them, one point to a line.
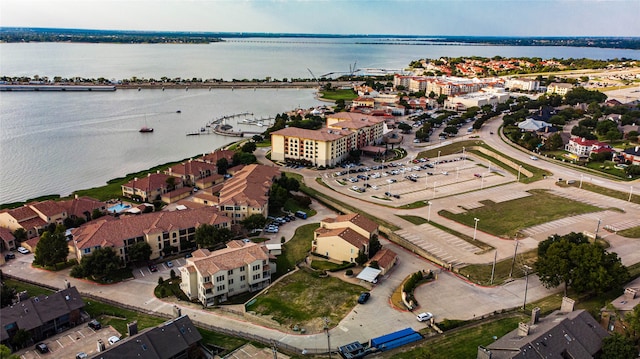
355	218
352	237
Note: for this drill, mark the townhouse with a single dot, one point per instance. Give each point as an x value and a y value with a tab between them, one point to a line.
34	218
247	192
342	238
165	232
213	277
559	88
191	171
151	187
583	148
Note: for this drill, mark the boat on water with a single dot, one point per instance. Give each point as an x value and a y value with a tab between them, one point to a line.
178	111
146	129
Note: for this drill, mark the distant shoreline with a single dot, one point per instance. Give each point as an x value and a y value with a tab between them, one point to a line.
45	87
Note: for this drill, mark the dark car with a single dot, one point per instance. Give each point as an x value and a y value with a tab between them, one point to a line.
9	256
153	268
94	324
42	348
364	297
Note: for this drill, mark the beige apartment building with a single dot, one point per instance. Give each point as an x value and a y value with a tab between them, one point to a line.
328	146
165	232
34	217
247	192
559	88
343	237
213	277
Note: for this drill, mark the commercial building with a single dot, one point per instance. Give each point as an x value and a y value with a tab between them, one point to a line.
212	277
523	84
487	96
345	131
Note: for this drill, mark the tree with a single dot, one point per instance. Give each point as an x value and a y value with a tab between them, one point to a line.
573	261
102	263
139	252
243	158
171	183
5	353
361	258
249	147
52	248
21	338
257	138
20	234
374	245
254	221
617	346
7	294
222	165
553	142
208	236
404	128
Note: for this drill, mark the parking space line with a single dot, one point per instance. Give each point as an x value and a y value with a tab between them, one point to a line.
60	344
142	273
70	337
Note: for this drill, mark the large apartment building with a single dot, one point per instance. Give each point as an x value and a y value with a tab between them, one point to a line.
164	231
212	277
247	192
443	85
345	131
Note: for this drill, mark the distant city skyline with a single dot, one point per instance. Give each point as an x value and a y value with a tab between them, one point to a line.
400	17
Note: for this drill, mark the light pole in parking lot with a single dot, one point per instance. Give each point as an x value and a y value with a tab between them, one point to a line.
437	161
519	168
475	228
464	158
581	176
482	182
526	284
429	213
630	193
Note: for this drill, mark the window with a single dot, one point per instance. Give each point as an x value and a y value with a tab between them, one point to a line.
230	281
220	278
220	288
243	278
86	250
256	276
255	267
206	279
230	272
242	269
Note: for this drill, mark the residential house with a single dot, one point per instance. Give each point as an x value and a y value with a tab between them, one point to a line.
7	240
632	155
342	238
50	211
386	259
247	192
531	125
149	188
559	88
583	148
362	101
562	334
42	316
165	232
174	339
176	195
213	277
214	157
192	171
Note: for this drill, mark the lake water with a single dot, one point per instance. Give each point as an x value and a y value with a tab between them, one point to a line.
55	143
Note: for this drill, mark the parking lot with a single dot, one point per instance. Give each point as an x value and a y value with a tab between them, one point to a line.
71	342
407	181
161	269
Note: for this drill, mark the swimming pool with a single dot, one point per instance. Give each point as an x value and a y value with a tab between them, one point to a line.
118	208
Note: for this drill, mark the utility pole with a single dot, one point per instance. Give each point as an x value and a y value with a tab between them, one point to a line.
493	269
326	329
514	259
526	284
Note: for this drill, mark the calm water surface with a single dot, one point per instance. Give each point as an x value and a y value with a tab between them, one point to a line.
55	143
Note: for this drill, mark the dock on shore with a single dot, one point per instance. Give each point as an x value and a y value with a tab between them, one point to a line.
4	87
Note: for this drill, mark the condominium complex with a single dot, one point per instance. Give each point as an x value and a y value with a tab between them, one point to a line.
212	277
443	85
247	192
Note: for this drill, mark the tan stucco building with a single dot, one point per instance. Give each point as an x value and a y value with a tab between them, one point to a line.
343	237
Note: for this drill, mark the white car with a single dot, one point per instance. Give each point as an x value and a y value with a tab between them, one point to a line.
113	339
423	317
533	158
23	250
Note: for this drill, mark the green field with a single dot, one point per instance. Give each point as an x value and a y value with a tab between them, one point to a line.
296	249
506	219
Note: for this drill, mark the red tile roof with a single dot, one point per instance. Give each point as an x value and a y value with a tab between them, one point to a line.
234	256
322	134
249	186
78	206
385	258
352	237
355	218
151	183
112	233
48	208
213	157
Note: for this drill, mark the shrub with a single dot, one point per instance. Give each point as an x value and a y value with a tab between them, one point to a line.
160	280
172	274
349	272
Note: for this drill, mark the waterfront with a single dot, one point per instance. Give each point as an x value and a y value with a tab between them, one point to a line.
55	143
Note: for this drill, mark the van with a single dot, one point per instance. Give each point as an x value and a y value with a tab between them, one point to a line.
301	214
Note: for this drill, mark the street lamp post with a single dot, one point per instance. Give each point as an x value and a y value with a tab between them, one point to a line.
526	284
598	227
429	213
475	228
581	176
326	329
435	166
464	158
519	168
630	193
482	183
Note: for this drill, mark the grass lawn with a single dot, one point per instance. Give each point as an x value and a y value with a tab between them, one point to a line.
292	206
335	95
481	273
413	219
296	249
635	198
170	288
324	265
461	344
506	219
32	290
631	232
303	298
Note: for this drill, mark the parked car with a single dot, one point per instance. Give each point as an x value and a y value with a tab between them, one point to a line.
170	264
23	250
364	297
42	348
81	355
113	339
423	317
153	267
301	214
188	255
9	256
94	324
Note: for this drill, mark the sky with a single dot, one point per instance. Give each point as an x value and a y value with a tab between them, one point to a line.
398	17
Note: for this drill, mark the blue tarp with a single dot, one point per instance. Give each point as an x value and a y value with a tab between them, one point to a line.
377	342
400	342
